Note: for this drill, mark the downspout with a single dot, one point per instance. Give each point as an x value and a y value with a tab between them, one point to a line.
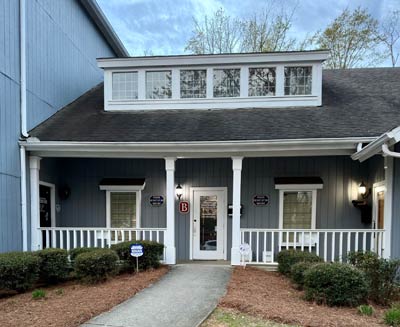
387	152
22	38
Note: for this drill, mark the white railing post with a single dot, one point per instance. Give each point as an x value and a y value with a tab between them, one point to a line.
36	235
170	207
237	176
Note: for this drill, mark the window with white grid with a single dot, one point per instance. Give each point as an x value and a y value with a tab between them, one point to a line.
298	80
125	86
261	81
123	209
193	83
226	83
158	84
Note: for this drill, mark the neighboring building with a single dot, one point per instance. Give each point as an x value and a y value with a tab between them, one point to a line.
205	153
47	59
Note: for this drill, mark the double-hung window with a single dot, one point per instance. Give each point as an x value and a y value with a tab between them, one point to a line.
226	83
298	80
125	86
159	84
262	81
193	83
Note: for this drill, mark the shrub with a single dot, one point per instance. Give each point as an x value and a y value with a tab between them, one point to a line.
38	294
365	310
96	266
383	287
54	265
287	258
392	317
73	253
298	270
18	270
151	257
335	284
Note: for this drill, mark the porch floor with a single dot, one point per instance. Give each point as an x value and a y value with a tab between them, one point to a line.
184	297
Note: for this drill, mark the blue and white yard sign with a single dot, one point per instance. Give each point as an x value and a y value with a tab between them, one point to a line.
136	250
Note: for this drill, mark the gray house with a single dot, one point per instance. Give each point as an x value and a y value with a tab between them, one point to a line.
220	157
47	59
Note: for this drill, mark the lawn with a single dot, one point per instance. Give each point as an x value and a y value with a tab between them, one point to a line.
71	304
271	297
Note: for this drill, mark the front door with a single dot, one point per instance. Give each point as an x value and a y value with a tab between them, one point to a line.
209	223
378	215
45	210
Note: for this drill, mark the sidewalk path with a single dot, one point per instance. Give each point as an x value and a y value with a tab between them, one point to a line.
182	298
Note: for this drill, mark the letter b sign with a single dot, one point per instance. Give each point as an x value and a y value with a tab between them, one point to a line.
184	207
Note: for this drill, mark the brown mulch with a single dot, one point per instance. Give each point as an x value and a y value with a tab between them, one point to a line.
77	303
273	297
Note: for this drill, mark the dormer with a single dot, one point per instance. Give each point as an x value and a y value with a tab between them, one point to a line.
225	81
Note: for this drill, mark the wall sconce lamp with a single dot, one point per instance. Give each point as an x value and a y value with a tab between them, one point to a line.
179	191
363	190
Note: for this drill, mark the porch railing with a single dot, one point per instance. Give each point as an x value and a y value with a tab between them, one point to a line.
329	244
74	237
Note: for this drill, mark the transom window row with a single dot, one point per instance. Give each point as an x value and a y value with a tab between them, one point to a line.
226	83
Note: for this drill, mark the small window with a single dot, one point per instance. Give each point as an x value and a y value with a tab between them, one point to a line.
298	80
261	82
226	83
123	209
158	85
125	86
297	210
193	83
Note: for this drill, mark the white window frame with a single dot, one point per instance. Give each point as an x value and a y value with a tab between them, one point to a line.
137	189
52	201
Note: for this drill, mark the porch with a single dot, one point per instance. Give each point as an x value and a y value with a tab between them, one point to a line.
331	225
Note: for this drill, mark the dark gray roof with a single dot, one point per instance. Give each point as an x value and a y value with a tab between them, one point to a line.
356	103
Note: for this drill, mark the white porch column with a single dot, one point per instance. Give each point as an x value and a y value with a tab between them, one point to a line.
388	208
237	176
170	194
36	239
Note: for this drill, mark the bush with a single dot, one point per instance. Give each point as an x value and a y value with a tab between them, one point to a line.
392	317
365	310
19	271
298	270
151	257
96	266
38	294
54	265
383	286
73	253
335	284
287	258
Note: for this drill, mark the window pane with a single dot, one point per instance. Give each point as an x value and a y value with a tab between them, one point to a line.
123	209
226	83
297	210
193	83
125	86
261	82
298	80
158	85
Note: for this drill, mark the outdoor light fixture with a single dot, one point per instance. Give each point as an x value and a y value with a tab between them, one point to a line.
179	191
362	189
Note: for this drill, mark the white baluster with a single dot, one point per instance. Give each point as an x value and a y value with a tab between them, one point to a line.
348	242
287	240
75	239
68	240
265	246
61	239
109	237
258	244
302	241
317	245
356	243
326	247
81	239
364	241
102	238
53	239
310	243
47	238
333	246
272	246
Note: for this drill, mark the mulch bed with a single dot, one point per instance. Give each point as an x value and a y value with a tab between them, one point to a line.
77	303
272	296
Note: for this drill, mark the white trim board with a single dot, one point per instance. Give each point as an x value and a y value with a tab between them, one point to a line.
52	200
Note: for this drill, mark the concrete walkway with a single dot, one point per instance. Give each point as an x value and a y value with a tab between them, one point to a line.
182	298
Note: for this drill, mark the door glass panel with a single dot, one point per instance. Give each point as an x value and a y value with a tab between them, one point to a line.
381	209
208	223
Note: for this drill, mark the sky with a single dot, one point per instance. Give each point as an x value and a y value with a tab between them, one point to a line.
162	27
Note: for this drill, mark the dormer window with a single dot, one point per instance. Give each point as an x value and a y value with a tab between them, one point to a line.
226	83
159	84
261	81
298	80
125	86
193	83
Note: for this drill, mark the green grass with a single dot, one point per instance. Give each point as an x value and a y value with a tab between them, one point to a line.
365	310
230	318
38	294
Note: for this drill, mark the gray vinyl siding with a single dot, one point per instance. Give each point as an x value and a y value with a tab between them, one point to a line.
395	250
62	46
87	203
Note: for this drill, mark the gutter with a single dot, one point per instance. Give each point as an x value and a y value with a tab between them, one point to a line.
105	27
379	145
24	132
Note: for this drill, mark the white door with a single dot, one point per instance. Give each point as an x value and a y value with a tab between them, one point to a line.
209	223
